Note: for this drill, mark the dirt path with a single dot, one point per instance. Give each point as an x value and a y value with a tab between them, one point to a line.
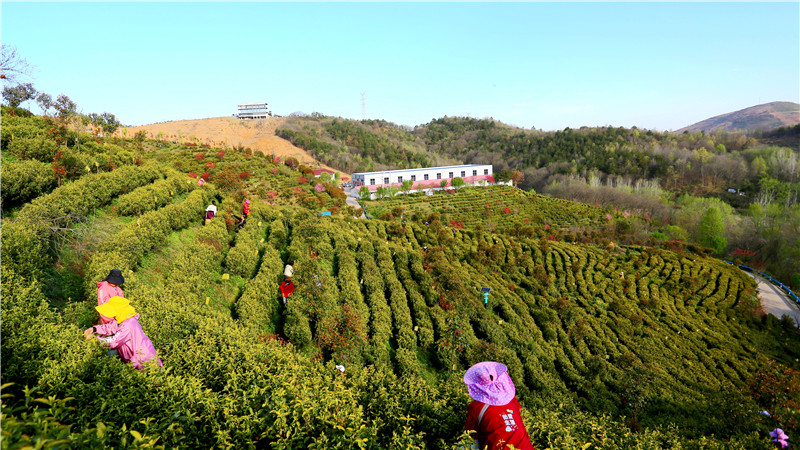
775	301
258	134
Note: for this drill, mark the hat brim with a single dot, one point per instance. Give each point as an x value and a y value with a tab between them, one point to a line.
117	307
115	280
496	393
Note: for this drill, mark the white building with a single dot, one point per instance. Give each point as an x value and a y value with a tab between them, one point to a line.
427	179
253	111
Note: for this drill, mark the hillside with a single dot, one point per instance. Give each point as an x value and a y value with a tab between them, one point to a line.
760	117
611	343
662	175
258	135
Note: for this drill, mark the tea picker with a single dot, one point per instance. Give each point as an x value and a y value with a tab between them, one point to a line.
485	291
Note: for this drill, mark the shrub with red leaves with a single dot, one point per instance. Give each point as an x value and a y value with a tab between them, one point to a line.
302	180
455	224
221	154
210	165
276	160
199	156
273	171
506	210
192	175
244	175
206	176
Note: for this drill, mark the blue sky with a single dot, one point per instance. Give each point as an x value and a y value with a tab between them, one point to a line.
546	65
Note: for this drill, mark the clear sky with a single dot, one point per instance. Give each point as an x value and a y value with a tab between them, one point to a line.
546	65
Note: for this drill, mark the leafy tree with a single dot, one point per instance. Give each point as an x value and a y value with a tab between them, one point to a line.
712	230
458	182
407	185
19	94
45	102
364	193
65	107
502	175
106	122
110	123
517	177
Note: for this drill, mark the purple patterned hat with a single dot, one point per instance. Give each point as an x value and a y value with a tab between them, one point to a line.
488	382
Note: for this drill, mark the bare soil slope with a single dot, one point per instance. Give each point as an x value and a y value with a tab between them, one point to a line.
258	134
759	117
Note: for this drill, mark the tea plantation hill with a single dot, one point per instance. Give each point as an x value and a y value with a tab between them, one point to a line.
610	346
751	177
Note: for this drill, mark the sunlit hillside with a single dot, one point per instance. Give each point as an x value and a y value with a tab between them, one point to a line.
612	341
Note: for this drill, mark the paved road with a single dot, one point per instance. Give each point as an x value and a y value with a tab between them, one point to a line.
775	301
352	196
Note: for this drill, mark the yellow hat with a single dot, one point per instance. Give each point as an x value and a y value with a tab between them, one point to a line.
118	308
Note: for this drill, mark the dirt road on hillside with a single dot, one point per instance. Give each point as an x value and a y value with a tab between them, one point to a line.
258	134
775	301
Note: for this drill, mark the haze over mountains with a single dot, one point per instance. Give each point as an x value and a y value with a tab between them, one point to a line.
760	117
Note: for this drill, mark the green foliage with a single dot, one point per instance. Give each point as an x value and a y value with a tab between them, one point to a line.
23	181
712	230
38	148
16	95
125	249
243	257
153	196
610	346
28	246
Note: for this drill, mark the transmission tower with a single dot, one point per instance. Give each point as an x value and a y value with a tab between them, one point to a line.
364	105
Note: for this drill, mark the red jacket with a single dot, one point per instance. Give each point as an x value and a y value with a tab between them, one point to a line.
287	288
499	427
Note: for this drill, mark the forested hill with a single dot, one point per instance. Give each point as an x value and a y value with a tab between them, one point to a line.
684	162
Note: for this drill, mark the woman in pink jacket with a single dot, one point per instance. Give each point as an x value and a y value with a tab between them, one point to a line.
108	288
123	333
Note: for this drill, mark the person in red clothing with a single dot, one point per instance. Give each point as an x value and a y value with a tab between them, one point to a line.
287	288
246	208
493	418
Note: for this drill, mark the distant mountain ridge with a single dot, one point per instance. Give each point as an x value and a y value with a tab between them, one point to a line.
760	117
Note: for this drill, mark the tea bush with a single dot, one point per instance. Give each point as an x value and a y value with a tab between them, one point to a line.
609	346
23	181
153	196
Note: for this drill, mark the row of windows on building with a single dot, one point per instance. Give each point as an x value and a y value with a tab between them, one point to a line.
425	176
